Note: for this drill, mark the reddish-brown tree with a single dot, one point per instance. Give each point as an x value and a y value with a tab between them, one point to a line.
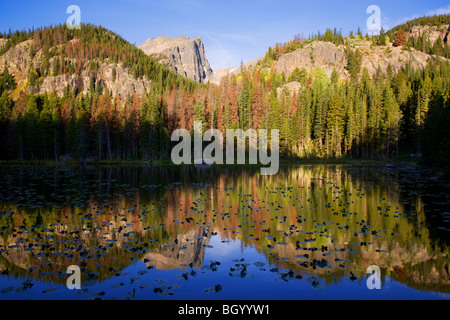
400	40
234	100
294	105
257	107
171	112
220	120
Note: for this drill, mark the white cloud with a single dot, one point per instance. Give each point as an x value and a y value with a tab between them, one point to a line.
444	10
439	11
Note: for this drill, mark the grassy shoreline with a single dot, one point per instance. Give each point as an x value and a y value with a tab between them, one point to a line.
283	162
409	164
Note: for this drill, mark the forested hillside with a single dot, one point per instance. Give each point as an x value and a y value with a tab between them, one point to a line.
40	122
380	114
427	34
61	50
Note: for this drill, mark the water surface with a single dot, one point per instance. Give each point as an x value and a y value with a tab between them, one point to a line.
309	232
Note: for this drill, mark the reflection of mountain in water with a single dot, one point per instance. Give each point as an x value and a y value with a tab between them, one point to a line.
187	250
417	266
319	220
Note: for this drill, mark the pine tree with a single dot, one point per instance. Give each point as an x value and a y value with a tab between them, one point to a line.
354	63
438	48
298	76
381	39
334	76
257	107
31	52
293	126
305	119
374	119
199	112
234	107
92	84
359	32
99	87
400	40
328	37
436	137
7	81
56	66
32	76
6	104
391	121
424	97
244	106
113	75
335	126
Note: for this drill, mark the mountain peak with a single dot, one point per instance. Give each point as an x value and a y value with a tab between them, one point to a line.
182	54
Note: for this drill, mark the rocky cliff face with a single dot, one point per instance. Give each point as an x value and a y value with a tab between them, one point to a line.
19	62
433	33
183	55
323	54
395	56
327	56
124	84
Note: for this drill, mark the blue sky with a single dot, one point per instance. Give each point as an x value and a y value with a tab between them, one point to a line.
231	30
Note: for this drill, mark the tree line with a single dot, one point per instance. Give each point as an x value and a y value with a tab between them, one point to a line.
327	117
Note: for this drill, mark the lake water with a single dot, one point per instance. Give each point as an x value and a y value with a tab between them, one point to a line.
164	233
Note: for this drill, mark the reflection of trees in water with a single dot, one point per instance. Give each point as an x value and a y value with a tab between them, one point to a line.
317	212
359	206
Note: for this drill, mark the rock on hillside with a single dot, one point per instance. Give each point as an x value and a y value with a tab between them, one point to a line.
433	33
327	56
19	62
395	56
181	54
323	54
123	85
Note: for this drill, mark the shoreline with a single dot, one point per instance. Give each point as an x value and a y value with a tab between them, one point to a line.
389	163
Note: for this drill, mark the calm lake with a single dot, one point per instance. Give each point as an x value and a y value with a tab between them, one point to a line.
183	233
